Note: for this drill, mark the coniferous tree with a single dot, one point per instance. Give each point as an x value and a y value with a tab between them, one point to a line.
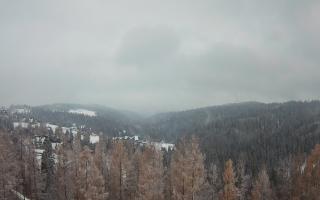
133	176
196	160
187	170
261	188
90	179
168	193
229	189
76	150
298	181
101	162
47	169
284	176
8	167
64	182
214	181
118	171
150	185
306	183
243	181
32	171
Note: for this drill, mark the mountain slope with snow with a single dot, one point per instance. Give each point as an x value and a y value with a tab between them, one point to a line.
83	112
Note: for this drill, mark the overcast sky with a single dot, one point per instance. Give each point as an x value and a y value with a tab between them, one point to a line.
151	56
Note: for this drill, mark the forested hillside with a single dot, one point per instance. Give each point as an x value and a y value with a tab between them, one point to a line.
102	119
261	133
236	151
257	132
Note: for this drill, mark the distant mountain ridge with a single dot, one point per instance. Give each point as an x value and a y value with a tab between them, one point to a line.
184	122
107	120
258	131
168	125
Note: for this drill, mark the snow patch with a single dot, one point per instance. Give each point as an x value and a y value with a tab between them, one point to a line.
21	111
94	139
161	145
20	124
54	145
19	195
52	126
39	153
83	112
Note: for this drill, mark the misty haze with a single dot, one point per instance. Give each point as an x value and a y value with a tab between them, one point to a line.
159	100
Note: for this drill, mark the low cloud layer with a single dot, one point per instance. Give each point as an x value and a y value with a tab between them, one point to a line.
152	56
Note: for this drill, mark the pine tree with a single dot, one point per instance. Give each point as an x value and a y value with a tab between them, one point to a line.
47	168
76	150
179	172
187	170
32	171
214	181
243	180
283	183
64	182
150	185
8	167
261	188
100	160
307	179
118	171
133	176
90	179
168	193
196	160
229	189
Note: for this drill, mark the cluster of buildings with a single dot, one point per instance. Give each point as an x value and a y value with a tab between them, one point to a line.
158	145
4	111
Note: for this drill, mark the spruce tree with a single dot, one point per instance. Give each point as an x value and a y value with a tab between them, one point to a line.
47	168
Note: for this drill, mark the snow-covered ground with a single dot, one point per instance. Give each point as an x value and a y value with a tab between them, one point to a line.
20	124
21	111
52	126
36	125
83	112
54	145
39	153
94	138
157	145
162	145
19	195
135	138
65	130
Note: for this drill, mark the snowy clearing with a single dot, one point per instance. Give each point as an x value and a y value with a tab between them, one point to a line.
83	112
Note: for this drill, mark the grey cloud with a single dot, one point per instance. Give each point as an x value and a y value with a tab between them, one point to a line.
157	56
149	46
